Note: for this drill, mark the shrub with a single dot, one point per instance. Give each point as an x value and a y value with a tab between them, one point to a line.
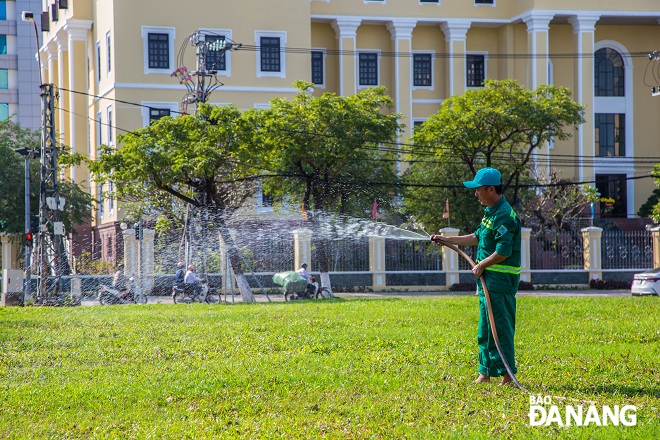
609	284
463	287
525	285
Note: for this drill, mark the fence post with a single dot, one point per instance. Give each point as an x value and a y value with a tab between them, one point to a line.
302	245
130	251
377	262
525	261
227	278
11	258
655	234
450	259
148	261
591	251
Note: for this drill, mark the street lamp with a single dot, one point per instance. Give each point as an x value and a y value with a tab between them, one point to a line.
28	154
29	17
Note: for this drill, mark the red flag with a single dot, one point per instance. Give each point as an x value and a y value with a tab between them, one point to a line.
374	213
446	213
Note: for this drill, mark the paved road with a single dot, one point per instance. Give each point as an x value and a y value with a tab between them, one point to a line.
280	298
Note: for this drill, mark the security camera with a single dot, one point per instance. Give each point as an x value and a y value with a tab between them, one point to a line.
27	16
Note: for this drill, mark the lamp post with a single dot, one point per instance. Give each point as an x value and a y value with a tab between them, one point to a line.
28	16
27	154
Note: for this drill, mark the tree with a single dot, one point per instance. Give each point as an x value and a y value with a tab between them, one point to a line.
499	125
200	159
648	209
331	154
12	182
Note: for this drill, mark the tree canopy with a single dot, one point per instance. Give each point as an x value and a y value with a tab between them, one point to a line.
332	153
12	182
499	125
205	160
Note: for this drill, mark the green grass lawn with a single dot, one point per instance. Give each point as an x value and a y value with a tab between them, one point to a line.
378	368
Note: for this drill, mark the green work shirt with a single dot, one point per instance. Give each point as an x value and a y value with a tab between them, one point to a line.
500	232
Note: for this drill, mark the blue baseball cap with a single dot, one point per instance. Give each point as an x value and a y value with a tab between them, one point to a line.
485	177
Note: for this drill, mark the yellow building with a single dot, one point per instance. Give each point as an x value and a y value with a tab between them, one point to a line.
106	56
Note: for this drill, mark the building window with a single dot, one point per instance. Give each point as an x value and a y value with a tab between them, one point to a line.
429	1
610	134
98	62
476	70
4	78
318	77
3	45
108	248
107	47
270	54
484	2
154	110
613	186
609	73
422	70
109	112
157	113
368	69
159	51
4	111
215	54
100	202
99	132
3	10
111	197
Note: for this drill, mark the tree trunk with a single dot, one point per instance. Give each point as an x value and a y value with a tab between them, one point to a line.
235	261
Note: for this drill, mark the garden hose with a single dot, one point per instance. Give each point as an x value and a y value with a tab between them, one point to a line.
490	313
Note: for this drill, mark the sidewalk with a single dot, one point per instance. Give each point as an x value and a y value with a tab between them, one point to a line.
260	298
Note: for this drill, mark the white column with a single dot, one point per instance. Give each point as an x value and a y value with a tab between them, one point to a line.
77	32
456	37
346	31
401	30
538	25
584	28
52	63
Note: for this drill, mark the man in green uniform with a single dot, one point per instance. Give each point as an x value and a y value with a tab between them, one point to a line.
498	261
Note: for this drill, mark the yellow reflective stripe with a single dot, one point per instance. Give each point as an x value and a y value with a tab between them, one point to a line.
514	270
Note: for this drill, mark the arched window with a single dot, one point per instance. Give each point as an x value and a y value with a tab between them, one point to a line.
609	74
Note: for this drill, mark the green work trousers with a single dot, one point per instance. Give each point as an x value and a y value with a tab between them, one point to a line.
504	314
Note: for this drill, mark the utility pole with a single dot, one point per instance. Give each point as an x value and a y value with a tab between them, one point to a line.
210	50
49	245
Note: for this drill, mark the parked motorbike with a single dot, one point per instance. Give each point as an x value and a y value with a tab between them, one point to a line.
109	295
184	293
